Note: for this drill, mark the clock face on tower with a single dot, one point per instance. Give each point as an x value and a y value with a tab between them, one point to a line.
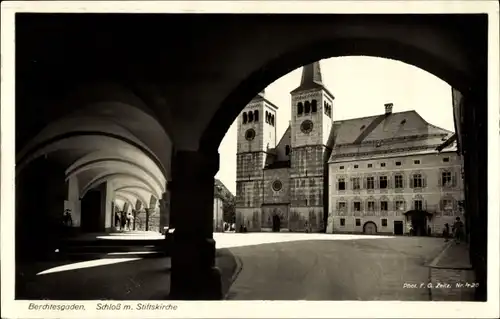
306	126
250	134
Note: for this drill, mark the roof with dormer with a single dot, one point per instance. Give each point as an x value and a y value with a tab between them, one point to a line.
380	135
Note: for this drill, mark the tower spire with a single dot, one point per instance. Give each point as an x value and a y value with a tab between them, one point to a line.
311	78
311	73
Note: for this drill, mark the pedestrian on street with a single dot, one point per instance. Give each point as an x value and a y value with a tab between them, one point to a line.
446	232
409	228
117	219
129	220
123	221
458	229
68	220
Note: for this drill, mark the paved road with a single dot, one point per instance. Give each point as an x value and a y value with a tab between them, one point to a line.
330	267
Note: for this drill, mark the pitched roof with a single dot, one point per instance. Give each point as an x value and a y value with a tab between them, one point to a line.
383	133
220	190
311	79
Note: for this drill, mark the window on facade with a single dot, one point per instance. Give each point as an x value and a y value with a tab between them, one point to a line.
358	222
342	206
256	115
446	179
417	204
307	107
446	159
398	181
287	150
384	222
384	206
447	204
341	167
370	183
250	116
272	120
355	183
267	117
356	166
371	206
383	182
341	184
342	222
417	180
382	164
357	206
314	106
370	165
245	118
302	183
416	162
300	108
398	163
400	205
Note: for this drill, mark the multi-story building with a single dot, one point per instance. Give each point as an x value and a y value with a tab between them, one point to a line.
386	173
369	174
221	195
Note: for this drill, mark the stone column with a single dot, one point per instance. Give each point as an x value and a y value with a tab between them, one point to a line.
165	209
193	272
475	167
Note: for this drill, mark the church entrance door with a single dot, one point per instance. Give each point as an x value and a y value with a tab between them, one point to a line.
276	223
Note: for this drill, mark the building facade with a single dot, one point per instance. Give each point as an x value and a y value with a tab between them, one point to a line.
387	193
341	176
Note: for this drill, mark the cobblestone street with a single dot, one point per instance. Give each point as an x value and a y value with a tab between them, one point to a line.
339	267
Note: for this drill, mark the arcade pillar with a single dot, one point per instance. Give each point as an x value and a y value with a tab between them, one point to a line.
193	272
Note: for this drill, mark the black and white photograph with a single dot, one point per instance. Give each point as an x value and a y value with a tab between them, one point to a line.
175	159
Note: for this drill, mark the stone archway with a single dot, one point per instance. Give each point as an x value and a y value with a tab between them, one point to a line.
370	228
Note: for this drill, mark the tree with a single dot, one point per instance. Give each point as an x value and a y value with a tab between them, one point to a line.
229	210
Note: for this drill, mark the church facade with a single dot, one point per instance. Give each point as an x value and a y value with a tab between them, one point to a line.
307	180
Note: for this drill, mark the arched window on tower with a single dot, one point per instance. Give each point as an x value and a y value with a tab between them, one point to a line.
287	150
325	107
314	106
256	115
267	117
300	108
307	107
245	118
250	116
272	120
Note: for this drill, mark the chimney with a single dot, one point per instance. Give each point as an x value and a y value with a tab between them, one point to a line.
388	108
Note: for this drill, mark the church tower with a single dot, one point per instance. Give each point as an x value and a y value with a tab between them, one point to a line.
311	124
256	135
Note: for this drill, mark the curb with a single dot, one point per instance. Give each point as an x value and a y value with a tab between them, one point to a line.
436	260
239	268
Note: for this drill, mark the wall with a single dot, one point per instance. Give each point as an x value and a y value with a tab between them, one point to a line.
431	166
249	217
272	192
40	195
316	135
73	203
269	210
218	213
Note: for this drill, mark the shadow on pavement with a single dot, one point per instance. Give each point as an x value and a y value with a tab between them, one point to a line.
141	279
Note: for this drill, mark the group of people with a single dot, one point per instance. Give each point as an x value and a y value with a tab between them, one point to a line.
457	231
123	221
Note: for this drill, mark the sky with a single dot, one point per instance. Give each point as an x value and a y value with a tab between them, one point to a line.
361	86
